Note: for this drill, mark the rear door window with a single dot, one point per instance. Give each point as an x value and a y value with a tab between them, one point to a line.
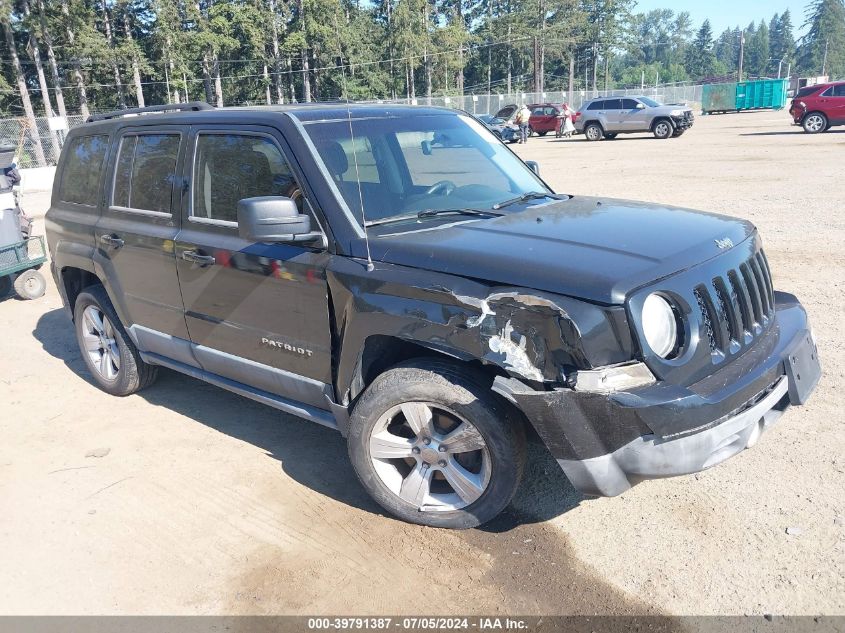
596	105
146	172
81	174
613	104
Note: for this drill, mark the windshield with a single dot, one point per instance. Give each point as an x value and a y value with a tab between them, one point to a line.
651	103
417	163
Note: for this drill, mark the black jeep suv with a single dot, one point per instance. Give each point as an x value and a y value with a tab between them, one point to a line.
398	274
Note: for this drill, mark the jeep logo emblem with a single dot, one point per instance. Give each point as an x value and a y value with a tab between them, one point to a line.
724	243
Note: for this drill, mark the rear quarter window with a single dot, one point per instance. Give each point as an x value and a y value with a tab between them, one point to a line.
81	173
804	92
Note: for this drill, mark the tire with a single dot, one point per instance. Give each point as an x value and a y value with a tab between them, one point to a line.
542	133
439	398
678	133
100	335
610	135
814	123
593	132
5	286
663	129
30	284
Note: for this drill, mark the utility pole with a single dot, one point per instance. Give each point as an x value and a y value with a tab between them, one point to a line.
741	54
824	60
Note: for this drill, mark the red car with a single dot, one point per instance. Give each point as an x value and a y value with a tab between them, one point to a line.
817	108
543	116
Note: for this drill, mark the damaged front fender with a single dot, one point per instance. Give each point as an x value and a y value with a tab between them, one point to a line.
534	336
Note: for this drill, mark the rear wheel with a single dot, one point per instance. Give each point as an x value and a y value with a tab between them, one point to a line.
435	446
543	133
814	123
593	132
30	284
663	129
108	352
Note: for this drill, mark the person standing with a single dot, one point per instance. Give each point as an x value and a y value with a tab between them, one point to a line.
522	120
567	127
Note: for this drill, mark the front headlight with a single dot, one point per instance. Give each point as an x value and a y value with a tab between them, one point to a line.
676	113
659	325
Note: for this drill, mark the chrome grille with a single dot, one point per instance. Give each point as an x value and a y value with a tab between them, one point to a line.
737	306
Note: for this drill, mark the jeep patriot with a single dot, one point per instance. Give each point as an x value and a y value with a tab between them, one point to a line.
398	274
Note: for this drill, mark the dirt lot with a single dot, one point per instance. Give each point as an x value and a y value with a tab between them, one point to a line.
188	499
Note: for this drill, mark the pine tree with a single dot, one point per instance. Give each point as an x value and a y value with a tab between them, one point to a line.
700	58
822	49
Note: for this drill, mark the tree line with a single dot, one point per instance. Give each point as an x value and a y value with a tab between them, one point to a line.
77	56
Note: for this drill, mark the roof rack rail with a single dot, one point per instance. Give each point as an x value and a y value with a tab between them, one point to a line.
192	106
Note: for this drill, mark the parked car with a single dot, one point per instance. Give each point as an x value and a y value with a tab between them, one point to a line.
820	107
433	302
507	132
543	117
607	117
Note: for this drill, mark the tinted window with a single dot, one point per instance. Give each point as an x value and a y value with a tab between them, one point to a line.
231	167
827	93
806	91
145	172
537	112
596	105
81	173
839	91
629	104
613	104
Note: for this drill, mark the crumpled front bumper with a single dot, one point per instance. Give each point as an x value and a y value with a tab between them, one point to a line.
607	442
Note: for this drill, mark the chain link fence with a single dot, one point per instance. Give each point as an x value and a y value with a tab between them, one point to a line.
490	104
40	145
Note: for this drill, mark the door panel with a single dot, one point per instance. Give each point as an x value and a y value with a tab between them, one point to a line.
631	119
136	231
256	313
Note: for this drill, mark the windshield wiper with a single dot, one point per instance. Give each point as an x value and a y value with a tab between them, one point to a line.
430	213
531	195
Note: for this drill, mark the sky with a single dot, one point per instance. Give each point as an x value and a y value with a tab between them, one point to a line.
725	14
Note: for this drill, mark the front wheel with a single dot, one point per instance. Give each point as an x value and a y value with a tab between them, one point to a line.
610	135
434	446
663	129
543	133
814	123
108	352
678	133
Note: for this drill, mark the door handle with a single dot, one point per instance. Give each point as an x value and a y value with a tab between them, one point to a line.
196	258
112	241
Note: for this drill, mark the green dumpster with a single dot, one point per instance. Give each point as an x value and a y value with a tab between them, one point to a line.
746	95
718	98
763	94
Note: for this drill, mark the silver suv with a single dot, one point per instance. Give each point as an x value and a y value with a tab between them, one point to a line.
605	117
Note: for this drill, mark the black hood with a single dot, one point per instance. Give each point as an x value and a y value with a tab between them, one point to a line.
591	248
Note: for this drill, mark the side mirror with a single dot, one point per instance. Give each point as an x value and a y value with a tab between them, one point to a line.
534	166
426	147
273	219
640	106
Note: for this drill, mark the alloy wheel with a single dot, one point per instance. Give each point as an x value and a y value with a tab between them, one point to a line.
430	457
814	123
100	343
662	130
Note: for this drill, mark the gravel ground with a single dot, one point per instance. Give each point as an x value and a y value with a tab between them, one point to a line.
189	499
